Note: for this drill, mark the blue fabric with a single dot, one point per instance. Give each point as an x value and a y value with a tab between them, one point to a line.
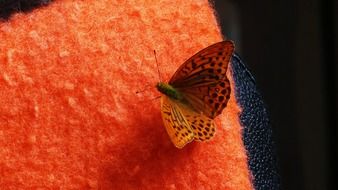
257	133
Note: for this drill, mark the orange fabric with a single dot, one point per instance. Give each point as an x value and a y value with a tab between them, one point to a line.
69	115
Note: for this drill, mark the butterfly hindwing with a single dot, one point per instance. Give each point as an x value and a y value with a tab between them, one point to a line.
202	126
176	124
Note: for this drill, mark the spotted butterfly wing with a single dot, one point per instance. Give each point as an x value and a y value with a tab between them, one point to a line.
176	124
202	79
203	127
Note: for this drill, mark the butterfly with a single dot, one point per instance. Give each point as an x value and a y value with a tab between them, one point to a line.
197	93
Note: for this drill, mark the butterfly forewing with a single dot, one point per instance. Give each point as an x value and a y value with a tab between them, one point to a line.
209	100
202	79
176	124
205	66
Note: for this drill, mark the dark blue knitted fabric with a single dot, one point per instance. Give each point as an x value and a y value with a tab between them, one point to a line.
257	133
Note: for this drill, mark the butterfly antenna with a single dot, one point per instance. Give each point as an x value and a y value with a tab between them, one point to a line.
152	99
145	89
158	68
157	97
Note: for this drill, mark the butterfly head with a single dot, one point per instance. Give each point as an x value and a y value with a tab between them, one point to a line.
169	91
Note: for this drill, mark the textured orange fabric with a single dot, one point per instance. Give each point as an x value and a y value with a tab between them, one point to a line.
69	115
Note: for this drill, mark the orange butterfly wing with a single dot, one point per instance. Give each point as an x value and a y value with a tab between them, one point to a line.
202	126
177	126
202	79
183	124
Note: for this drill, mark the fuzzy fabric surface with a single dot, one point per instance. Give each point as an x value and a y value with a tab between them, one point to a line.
69	114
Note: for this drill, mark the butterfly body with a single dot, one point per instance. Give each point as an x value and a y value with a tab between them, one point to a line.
198	92
169	91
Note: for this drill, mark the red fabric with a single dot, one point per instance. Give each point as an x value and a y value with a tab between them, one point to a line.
69	115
